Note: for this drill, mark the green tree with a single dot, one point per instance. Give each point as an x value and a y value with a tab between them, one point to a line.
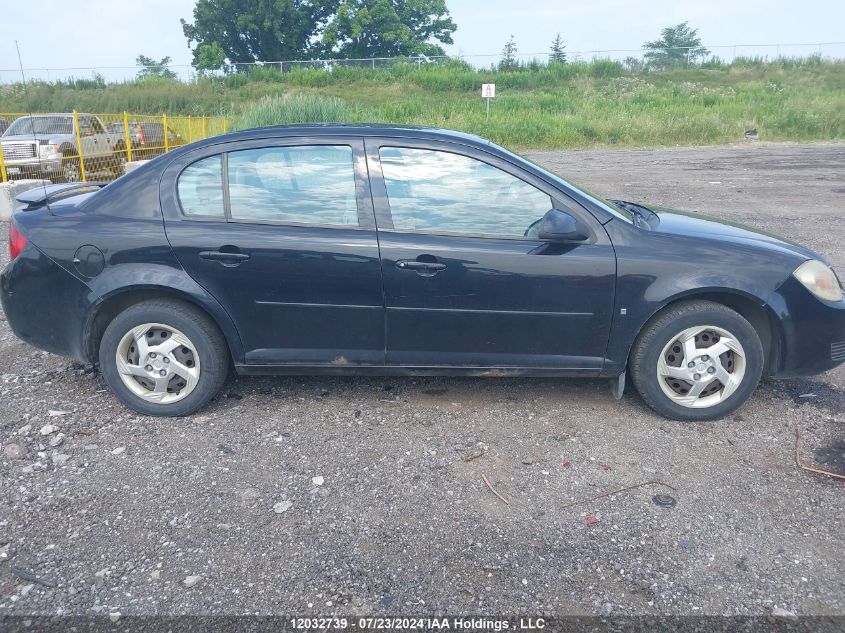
388	28
508	61
558	51
632	64
257	30
678	45
152	68
209	57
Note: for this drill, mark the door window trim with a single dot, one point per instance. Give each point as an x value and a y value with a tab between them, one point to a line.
172	208
381	200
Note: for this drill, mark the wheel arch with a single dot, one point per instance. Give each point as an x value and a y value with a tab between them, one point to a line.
114	303
757	312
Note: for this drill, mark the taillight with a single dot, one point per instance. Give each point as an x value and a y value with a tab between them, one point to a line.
17	241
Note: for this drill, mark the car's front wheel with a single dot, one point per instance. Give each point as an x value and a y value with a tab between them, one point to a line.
163	357
71	169
697	361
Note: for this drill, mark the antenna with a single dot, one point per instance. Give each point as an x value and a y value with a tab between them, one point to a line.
31	117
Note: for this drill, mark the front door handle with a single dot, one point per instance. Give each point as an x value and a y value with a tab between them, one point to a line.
421	268
225	258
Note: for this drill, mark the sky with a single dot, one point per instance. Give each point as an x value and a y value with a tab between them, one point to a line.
60	34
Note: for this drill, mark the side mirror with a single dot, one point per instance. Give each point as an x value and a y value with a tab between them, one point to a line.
559	226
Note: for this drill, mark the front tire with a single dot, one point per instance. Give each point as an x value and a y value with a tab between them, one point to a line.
163	358
71	169
697	361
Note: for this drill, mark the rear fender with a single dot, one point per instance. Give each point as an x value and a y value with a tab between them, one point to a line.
120	286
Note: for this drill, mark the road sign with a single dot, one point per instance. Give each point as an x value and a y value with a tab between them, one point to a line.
488	91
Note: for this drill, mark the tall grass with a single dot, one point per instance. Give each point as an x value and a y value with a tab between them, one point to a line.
307	108
557	105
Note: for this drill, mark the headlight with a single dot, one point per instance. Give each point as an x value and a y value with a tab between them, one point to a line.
819	279
49	148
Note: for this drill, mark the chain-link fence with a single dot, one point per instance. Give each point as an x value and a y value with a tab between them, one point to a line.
76	146
723	53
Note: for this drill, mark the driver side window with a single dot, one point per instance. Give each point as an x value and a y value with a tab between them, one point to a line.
435	191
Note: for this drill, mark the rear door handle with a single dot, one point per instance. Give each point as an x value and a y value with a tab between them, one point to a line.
224	257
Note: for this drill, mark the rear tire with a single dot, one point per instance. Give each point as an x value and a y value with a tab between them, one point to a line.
697	361
118	160
163	358
118	163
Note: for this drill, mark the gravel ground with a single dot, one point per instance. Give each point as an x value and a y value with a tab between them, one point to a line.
318	495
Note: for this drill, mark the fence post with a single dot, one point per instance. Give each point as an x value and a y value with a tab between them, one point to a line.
164	131
225	125
3	176
79	146
203	127
127	137
190	130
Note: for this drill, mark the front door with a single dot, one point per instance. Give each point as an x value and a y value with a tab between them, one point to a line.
281	233
95	141
467	283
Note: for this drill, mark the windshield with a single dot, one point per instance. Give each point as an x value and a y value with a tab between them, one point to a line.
40	125
598	200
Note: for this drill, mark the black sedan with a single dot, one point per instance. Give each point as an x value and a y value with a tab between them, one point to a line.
381	250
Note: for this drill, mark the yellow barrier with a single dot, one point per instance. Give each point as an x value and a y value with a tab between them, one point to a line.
3	177
79	146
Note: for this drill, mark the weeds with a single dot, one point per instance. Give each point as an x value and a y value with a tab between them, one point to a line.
556	105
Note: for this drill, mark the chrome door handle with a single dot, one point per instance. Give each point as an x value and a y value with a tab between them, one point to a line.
422	268
410	264
221	256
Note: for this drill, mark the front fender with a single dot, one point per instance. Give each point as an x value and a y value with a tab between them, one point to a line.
655	270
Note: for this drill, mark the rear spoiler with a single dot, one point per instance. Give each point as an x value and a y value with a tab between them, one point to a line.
40	196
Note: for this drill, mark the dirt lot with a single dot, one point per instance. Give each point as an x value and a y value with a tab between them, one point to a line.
115	511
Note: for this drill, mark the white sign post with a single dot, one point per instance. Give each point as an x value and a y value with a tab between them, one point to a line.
488	91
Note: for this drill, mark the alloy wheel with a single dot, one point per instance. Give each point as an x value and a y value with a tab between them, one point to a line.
71	170
118	163
158	363
701	367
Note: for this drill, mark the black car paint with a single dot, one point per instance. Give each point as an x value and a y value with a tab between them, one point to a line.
327	299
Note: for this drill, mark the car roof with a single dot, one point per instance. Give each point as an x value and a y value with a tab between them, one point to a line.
52	114
152	171
345	129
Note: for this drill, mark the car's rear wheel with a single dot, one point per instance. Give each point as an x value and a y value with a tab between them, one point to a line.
697	361
117	163
163	357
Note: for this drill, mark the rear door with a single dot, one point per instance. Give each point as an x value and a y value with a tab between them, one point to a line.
281	233
467	283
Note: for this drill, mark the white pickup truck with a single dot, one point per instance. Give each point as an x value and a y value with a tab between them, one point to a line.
45	146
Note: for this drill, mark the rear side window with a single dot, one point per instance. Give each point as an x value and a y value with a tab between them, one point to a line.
312	184
201	188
